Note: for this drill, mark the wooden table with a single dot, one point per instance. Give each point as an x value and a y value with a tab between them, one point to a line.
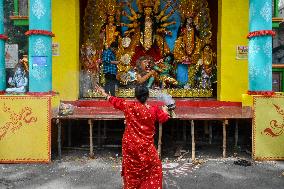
183	112
222	113
91	116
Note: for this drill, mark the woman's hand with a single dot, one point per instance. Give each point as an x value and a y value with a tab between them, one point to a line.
101	90
165	109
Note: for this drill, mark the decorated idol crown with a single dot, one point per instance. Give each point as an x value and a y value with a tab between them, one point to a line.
148	3
110	10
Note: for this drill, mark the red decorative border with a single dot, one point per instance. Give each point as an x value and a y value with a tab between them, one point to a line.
3	37
2	92
48	146
40	32
263	93
254	131
53	93
261	33
179	102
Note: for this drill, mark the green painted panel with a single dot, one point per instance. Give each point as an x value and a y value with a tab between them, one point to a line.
21	22
275	24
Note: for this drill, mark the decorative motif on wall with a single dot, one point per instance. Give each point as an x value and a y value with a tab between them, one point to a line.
25	128
39	47
268	127
254	72
262	93
267	48
39	72
267	71
254	48
260	45
38	9
252	10
2	77
1	16
17	120
276	127
266	12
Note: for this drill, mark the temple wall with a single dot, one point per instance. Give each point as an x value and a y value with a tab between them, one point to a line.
233	22
65	70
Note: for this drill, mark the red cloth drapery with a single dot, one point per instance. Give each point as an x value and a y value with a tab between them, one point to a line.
153	52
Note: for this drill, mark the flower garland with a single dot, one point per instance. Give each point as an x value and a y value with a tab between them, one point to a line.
261	33
126	42
264	93
39	32
3	37
125	59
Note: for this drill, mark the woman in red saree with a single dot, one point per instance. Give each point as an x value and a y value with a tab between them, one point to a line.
141	166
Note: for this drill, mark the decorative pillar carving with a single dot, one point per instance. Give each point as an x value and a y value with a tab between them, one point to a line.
2	50
260	46
40	46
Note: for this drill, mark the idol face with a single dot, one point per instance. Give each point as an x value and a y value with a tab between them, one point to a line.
145	65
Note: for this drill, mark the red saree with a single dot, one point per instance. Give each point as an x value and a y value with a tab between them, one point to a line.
141	166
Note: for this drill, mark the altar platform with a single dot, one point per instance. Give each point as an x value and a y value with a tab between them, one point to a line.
186	109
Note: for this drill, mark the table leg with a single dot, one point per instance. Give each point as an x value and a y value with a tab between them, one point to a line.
236	134
192	141
104	130
58	123
69	133
160	140
91	138
99	135
206	129
225	123
210	134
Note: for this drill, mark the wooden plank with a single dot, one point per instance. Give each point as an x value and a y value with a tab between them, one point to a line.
58	123
236	134
225	123
192	141
91	138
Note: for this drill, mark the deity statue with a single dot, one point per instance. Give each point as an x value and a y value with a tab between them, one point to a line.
90	57
148	26
163	69
110	34
194	34
206	66
25	62
110	31
187	43
187	52
90	60
19	82
205	79
128	41
207	58
126	74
